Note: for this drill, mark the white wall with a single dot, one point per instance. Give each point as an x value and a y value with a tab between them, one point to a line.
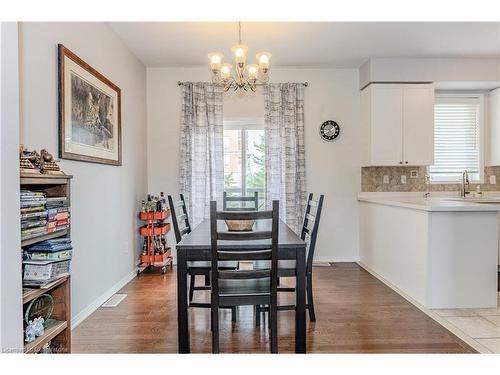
11	338
105	198
332	168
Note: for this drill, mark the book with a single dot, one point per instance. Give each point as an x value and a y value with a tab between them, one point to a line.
31	223
59	216
33	230
50	256
42	284
33	214
45	270
55	211
55	244
57	223
25	204
32	209
56	229
27	237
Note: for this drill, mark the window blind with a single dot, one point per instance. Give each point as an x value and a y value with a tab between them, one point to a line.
456	139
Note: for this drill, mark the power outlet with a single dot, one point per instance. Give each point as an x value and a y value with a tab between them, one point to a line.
493	180
414	173
386	179
403	179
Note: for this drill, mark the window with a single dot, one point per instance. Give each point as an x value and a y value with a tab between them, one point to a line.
244	158
457	138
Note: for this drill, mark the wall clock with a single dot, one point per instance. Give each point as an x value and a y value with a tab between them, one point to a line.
329	130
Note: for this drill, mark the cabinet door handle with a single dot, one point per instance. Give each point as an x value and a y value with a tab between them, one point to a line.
400	162
406	162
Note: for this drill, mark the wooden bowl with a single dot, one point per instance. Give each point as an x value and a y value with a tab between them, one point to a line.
240	225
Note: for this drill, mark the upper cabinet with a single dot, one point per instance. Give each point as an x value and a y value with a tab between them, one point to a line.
494	127
398	124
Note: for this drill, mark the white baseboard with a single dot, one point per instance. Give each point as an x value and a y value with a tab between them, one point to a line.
431	314
327	259
84	314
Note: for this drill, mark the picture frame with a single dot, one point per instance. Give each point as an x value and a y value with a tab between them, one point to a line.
89	112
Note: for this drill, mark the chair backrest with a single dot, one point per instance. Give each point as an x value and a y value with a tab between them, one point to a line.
178	211
242	200
260	250
311	224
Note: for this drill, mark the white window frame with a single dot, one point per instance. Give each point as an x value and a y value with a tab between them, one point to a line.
243	123
481	130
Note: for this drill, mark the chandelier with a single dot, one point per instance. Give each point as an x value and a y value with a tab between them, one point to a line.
245	76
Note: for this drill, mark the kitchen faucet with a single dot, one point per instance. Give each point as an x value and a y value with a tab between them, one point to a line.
465	184
427	194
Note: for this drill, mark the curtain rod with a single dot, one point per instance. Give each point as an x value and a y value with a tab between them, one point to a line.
180	83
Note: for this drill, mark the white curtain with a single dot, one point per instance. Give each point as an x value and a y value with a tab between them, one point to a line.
285	150
201	148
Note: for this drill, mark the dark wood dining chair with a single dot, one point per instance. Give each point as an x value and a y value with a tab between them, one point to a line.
286	268
178	211
244	287
243	202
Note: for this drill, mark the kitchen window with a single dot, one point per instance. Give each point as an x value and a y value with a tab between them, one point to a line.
457	138
244	158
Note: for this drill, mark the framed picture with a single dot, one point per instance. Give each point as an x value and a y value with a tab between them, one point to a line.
89	113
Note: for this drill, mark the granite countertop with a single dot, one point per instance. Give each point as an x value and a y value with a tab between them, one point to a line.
439	203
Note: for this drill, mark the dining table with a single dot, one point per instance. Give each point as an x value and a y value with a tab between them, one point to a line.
196	246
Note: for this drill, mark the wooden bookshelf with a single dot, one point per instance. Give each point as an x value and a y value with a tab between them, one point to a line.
43	237
51	331
31	294
57	332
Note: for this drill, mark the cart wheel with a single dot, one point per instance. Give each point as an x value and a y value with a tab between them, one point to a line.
138	273
163	270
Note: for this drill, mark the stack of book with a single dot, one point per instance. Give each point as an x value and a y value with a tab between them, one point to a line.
33	214
58	214
46	262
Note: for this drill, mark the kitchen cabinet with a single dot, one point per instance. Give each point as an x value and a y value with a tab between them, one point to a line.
398	124
494	127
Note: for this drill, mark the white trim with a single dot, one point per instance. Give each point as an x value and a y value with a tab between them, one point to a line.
431	314
87	311
341	259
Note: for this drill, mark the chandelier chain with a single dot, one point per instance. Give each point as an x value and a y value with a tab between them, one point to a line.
239	31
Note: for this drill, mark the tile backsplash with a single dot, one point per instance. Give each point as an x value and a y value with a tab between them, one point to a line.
372	180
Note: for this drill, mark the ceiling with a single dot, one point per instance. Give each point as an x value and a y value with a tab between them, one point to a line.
312	44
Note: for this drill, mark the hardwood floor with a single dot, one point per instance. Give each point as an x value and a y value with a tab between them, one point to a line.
355	313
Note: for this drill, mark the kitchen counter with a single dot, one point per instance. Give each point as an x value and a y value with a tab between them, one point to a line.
442	251
439	203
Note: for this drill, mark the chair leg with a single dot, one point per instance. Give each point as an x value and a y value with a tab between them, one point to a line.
278	282
215	329
310	299
273	321
233	314
207	279
191	287
268	317
257	315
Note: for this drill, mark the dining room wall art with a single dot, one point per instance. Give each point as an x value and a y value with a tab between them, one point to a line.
89	112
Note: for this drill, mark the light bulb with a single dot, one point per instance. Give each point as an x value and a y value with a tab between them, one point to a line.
264	59
225	71
240	53
215	60
252	71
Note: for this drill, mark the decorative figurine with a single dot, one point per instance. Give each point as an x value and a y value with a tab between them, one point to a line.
29	333
38	326
48	164
26	161
34	329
